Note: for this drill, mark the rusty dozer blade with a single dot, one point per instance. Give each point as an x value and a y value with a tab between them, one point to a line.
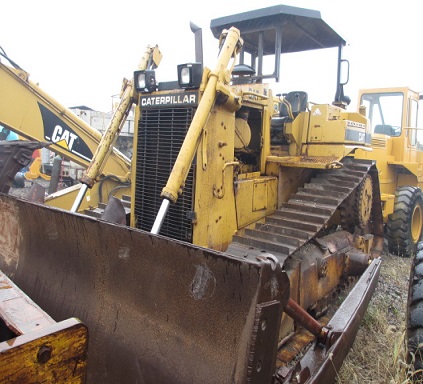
157	310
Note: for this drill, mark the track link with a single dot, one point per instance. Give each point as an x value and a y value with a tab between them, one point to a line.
304	215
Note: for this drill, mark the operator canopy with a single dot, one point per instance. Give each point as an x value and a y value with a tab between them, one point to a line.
277	30
301	29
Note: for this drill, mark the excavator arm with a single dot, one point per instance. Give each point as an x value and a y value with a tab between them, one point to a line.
29	111
152	57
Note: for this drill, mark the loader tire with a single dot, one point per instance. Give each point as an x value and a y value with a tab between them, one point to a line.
415	317
404	226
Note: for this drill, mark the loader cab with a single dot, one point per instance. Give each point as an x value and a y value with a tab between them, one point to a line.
392	111
393	116
385	110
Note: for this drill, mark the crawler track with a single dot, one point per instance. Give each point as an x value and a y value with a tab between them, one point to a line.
304	215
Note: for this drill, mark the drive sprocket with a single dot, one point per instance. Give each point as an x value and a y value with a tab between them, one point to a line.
363	202
356	210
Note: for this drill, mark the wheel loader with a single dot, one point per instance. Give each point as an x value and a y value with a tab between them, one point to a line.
242	262
396	143
393	114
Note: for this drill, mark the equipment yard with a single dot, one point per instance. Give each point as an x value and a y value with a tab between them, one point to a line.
246	239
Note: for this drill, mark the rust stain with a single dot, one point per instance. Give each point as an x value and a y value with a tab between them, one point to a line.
10	233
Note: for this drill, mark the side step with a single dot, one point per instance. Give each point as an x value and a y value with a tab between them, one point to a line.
304	215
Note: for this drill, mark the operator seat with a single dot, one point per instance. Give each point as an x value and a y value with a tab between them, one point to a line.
242	74
292	104
384	129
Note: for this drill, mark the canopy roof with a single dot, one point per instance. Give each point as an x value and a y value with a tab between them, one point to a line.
301	29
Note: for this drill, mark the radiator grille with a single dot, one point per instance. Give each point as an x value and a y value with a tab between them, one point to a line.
160	136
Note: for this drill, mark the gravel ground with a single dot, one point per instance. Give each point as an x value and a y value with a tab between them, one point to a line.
378	354
23	192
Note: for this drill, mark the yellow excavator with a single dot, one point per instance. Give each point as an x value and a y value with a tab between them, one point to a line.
241	241
33	114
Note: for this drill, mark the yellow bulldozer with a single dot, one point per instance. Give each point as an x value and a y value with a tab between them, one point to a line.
241	241
393	115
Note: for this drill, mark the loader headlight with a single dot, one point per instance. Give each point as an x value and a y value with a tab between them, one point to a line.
145	81
189	75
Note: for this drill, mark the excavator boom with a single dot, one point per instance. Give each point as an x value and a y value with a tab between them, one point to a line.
32	113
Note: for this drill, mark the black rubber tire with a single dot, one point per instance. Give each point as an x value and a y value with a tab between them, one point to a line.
402	234
415	317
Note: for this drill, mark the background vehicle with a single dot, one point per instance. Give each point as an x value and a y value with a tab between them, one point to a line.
245	205
33	114
393	113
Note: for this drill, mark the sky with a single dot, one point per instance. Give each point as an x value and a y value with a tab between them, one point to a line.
80	51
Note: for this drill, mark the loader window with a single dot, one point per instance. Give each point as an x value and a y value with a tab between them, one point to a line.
384	111
419	125
413	121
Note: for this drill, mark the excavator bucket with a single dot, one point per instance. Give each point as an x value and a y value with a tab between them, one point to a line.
157	310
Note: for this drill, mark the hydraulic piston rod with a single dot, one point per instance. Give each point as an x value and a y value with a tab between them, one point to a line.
230	47
301	316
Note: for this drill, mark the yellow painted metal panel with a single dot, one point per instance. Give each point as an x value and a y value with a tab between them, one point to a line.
255	199
259	196
214	202
56	354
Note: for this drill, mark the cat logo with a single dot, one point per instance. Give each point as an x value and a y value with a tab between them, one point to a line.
63	137
58	132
